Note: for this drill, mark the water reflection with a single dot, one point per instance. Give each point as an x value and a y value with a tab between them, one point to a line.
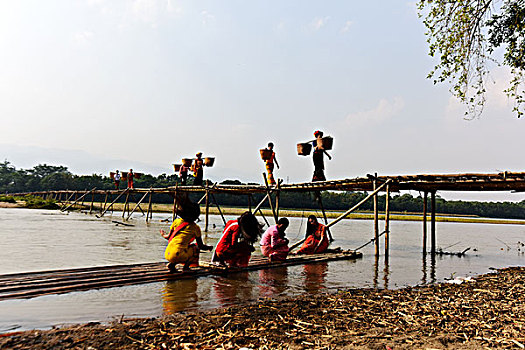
179	295
273	281
314	276
235	288
386	273
376	271
432	269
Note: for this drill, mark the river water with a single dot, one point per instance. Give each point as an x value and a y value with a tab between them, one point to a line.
33	240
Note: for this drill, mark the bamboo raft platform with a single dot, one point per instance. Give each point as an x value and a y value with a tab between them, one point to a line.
33	284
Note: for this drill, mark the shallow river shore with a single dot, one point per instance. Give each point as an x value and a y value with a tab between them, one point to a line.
487	312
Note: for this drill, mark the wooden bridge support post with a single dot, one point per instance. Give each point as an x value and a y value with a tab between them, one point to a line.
137	206
174	215
258	208
387	222
218	207
376	221
105	202
125	205
275	217
206	218
149	213
92	200
433	223
425	213
113	202
330	237
82	204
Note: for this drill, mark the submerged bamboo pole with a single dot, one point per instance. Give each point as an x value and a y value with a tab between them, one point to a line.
150	208
425	213
376	220
387	221
207	212
433	222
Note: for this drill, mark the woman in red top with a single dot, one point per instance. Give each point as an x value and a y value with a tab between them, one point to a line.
316	239
235	246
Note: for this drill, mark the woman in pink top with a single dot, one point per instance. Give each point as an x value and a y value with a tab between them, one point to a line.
274	244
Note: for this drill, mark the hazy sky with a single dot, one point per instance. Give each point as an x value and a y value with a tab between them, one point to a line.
97	85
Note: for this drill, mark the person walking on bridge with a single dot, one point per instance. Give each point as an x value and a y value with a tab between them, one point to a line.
130	179
270	162
318	158
198	171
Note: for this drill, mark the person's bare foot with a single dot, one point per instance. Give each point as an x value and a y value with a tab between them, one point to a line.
171	267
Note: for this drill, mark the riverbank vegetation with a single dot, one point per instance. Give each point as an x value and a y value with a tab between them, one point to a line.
47	177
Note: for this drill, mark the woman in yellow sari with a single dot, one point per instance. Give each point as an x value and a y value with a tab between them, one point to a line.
183	232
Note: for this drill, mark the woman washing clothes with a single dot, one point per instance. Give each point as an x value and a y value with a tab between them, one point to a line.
235	246
184	231
316	240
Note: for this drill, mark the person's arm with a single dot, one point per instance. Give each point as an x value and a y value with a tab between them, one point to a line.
201	244
329	156
276	163
166	235
277	241
323	234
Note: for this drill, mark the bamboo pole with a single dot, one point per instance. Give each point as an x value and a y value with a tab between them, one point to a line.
126	205
433	222
325	218
376	220
82	204
105	202
76	200
138	205
349	211
258	208
425	213
92	200
387	222
218	207
66	202
150	208
114	201
174	204
275	217
206	218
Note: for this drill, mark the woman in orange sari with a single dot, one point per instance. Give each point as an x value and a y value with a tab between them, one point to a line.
316	240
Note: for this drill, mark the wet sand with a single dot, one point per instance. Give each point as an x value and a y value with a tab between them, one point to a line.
487	312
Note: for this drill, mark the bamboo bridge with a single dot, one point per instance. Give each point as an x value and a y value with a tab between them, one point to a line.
426	183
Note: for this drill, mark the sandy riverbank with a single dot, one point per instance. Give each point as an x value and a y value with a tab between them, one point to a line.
488	312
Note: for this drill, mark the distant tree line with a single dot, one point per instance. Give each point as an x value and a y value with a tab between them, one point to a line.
48	177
